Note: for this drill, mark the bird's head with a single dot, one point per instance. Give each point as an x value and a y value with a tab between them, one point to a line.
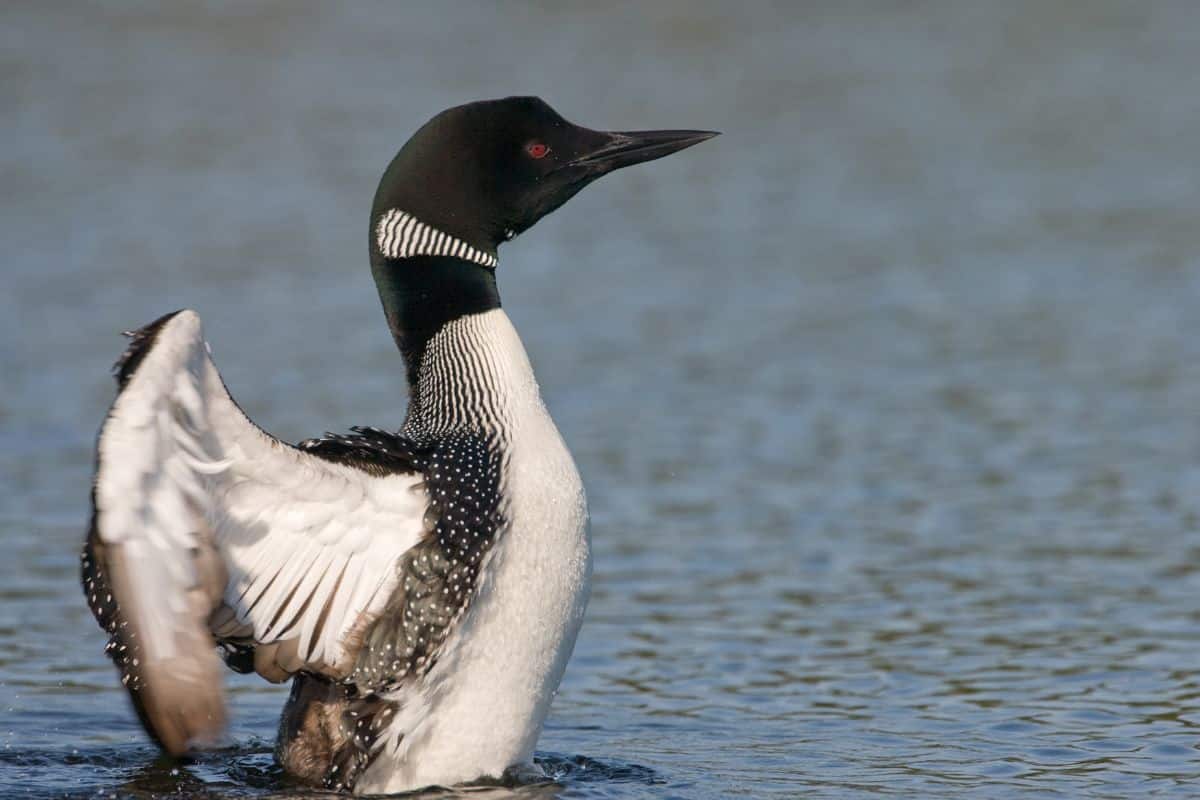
484	172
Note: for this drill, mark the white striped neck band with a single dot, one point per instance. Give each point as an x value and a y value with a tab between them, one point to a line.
401	235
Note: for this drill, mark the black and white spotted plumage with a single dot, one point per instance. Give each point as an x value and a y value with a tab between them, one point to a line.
438	575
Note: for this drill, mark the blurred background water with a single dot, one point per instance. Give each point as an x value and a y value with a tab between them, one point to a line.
886	400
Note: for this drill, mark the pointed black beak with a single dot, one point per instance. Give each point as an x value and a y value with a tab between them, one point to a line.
621	149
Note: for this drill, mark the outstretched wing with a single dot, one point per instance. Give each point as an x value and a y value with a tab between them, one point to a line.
206	527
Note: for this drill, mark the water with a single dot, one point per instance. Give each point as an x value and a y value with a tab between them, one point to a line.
885	400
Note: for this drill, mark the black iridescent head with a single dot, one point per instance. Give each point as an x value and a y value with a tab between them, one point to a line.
484	172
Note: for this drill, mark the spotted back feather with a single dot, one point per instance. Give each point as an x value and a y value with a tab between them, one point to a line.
372	450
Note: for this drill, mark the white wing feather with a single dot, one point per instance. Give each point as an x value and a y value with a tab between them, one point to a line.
308	548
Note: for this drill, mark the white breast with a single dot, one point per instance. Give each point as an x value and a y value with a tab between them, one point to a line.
481	708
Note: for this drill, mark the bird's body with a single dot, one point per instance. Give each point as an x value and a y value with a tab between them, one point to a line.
492	685
422	589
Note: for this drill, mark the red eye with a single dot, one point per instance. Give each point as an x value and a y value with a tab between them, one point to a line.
537	149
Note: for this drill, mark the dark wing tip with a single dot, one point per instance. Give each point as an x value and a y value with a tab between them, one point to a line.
141	341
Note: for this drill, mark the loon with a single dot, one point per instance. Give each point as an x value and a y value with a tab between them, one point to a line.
422	589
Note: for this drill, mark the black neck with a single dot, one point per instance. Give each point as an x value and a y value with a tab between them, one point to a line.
422	293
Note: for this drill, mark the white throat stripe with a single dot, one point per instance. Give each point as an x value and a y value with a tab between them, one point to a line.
401	235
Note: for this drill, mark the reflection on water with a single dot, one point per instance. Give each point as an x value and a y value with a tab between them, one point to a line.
885	400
